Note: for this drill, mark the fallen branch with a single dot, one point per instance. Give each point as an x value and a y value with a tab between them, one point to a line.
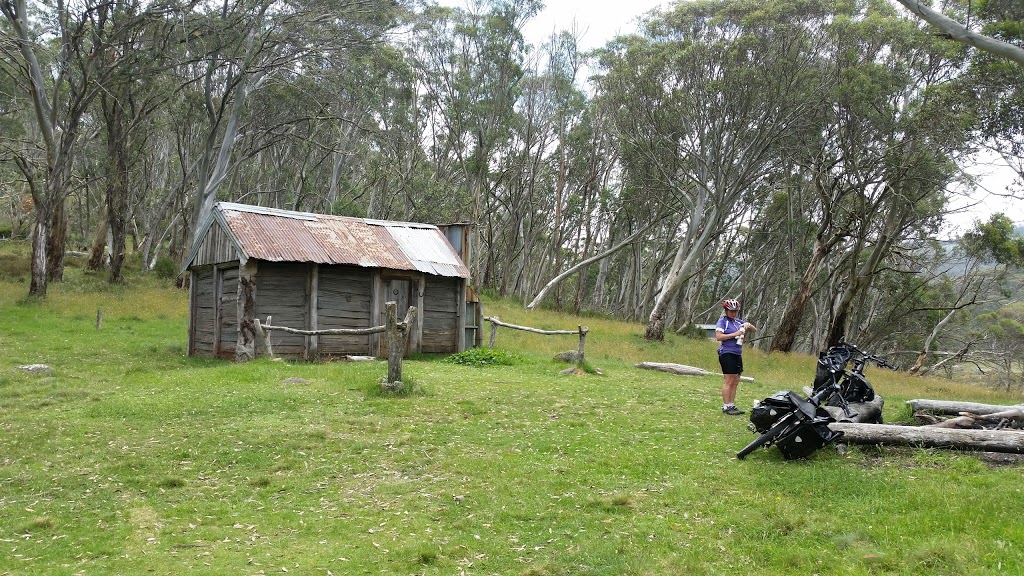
958	422
682	369
1012	414
591	260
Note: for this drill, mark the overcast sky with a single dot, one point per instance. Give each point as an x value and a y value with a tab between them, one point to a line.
597	20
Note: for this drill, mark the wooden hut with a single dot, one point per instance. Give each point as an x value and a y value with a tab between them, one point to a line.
319	272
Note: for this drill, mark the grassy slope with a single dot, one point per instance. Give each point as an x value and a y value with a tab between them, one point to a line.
131	458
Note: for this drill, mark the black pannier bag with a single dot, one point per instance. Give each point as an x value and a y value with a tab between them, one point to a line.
854	387
805	439
767	412
834	360
857	389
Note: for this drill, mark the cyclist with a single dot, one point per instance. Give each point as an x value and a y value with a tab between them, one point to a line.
730	332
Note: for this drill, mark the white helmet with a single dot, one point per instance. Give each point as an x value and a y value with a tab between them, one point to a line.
731	304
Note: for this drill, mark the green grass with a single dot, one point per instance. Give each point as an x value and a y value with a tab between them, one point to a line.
130	458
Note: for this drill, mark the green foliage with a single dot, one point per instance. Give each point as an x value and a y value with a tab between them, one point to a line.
996	240
348	207
166	268
480	357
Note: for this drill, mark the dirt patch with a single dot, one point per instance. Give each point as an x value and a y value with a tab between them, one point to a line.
997	459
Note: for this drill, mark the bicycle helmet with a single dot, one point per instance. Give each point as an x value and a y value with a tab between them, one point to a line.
731	304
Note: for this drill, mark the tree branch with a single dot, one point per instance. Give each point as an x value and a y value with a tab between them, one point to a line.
609	252
961	33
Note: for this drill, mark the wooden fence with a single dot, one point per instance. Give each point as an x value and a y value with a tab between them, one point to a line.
581	330
398	334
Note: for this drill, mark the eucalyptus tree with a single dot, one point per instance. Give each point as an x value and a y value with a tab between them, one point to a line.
13	120
134	91
470	64
998	83
876	157
703	99
61	61
543	208
907	126
243	47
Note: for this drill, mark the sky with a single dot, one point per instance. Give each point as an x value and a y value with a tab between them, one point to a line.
599	21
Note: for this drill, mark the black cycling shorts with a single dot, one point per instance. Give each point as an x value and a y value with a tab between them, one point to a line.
731	363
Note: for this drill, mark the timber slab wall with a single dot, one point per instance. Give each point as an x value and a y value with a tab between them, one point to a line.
313	297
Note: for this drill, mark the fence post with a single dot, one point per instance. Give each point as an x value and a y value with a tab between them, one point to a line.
396	348
583	338
264	336
494	330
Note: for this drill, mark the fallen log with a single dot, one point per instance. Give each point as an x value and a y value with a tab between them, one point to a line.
1009	441
955	408
682	369
865	412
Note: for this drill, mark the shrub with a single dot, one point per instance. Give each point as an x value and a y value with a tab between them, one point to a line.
691	330
165	268
483	357
14	267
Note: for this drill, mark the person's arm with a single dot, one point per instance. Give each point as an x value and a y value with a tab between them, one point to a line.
721	335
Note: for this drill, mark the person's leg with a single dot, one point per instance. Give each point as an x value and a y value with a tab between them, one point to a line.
732	366
731	382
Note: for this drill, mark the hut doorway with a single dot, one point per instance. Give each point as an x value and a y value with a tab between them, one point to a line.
394	290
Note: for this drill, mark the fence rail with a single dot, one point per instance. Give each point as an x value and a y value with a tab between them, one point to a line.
398	334
580	330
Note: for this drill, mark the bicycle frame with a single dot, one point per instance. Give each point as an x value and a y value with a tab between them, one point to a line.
803	413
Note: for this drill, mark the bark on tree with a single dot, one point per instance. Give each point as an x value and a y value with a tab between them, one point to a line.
398	334
785	336
825	239
98	251
57	238
704	222
117	181
245	347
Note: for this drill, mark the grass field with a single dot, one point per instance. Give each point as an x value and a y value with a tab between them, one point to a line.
130	458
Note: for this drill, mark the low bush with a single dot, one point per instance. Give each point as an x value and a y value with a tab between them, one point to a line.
483	357
165	268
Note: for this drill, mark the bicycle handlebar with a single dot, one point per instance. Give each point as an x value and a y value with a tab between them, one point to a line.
865	356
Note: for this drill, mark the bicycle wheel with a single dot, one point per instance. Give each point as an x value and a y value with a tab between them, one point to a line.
780	427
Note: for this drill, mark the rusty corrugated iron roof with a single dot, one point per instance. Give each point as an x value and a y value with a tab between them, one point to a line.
286	236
